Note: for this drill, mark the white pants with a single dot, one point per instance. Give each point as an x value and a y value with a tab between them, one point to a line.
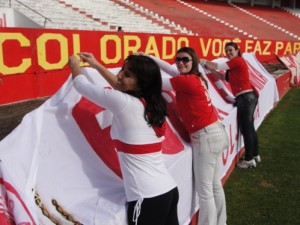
208	144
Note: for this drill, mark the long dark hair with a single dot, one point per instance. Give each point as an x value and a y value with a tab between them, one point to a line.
150	88
195	62
236	47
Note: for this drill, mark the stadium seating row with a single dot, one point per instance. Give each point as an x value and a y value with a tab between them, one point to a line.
205	18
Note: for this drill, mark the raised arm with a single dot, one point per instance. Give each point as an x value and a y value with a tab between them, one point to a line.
107	75
214	67
163	65
108	98
217	74
74	65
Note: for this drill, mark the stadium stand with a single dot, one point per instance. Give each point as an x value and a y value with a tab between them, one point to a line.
279	21
219	19
102	15
205	18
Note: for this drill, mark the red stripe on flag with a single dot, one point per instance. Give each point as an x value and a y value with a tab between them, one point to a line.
84	112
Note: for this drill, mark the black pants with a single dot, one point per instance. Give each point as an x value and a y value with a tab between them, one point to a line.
159	210
246	104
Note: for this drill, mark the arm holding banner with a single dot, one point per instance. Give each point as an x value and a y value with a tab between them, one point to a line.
214	67
74	65
163	65
89	58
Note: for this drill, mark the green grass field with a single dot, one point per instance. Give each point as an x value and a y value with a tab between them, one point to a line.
270	193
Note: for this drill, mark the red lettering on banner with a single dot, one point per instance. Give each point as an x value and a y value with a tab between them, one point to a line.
4	220
225	155
84	113
221	113
291	62
8	205
222	87
232	139
256	112
257	79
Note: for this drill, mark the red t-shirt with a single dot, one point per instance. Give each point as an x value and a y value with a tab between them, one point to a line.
193	102
238	75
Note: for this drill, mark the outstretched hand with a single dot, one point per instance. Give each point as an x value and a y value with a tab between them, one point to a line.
73	61
89	58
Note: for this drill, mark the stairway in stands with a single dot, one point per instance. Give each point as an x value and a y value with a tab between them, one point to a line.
219	19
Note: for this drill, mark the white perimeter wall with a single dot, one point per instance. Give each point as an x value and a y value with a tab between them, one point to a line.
12	18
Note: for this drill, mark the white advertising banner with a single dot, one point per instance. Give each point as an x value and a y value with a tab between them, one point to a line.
59	165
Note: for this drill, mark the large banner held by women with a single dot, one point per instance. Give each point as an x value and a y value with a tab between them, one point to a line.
59	165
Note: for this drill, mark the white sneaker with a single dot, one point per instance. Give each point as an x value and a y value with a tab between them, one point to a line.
257	159
247	164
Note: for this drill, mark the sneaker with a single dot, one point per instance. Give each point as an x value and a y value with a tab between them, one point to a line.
247	164
257	159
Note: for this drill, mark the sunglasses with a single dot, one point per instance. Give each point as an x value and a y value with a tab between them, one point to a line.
184	60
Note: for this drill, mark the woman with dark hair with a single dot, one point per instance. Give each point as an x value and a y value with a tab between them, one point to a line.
138	125
245	99
207	133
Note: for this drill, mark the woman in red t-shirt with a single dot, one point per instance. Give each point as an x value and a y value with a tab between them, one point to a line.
246	100
207	133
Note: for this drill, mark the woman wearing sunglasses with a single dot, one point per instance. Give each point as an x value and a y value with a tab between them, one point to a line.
246	99
207	134
138	126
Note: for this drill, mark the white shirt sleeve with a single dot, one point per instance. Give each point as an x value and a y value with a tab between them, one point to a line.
107	98
166	84
223	66
165	66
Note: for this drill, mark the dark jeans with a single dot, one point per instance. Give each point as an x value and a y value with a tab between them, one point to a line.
246	104
159	210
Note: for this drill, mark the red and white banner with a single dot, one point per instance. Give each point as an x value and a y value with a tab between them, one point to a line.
222	98
59	165
292	62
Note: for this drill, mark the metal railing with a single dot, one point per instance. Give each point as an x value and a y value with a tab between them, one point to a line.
46	19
